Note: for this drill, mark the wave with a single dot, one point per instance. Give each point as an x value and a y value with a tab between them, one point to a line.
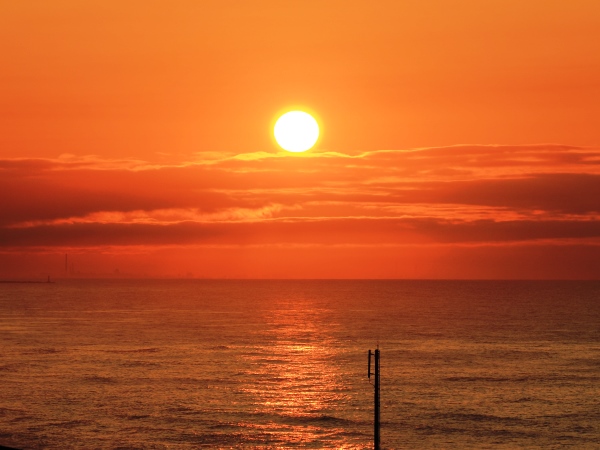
70	423
488	379
522	379
136	350
474	417
42	351
99	379
133	364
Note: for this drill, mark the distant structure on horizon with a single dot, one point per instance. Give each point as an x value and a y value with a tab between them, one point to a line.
69	270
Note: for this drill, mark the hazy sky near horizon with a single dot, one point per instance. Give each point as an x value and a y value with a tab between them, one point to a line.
459	139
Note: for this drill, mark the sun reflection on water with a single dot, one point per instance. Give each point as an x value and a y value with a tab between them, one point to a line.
296	382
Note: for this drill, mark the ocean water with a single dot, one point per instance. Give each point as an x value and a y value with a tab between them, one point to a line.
182	364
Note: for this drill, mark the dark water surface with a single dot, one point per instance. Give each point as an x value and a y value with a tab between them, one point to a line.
282	364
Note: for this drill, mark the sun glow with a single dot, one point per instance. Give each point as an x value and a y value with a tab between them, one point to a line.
296	131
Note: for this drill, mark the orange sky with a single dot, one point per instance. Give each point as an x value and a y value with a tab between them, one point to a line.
460	139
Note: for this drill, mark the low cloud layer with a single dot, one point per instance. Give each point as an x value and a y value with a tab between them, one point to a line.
461	195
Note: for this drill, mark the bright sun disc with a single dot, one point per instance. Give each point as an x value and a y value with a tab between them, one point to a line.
296	131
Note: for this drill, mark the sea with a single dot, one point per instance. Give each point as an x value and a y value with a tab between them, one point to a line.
265	364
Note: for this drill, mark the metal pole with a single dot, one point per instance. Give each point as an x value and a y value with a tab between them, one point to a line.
377	434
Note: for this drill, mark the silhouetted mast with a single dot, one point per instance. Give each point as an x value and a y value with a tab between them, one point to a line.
376	409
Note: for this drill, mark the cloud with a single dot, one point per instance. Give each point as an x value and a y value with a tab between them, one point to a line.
329	231
458	194
560	192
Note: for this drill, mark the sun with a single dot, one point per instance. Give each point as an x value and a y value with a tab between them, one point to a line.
296	131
